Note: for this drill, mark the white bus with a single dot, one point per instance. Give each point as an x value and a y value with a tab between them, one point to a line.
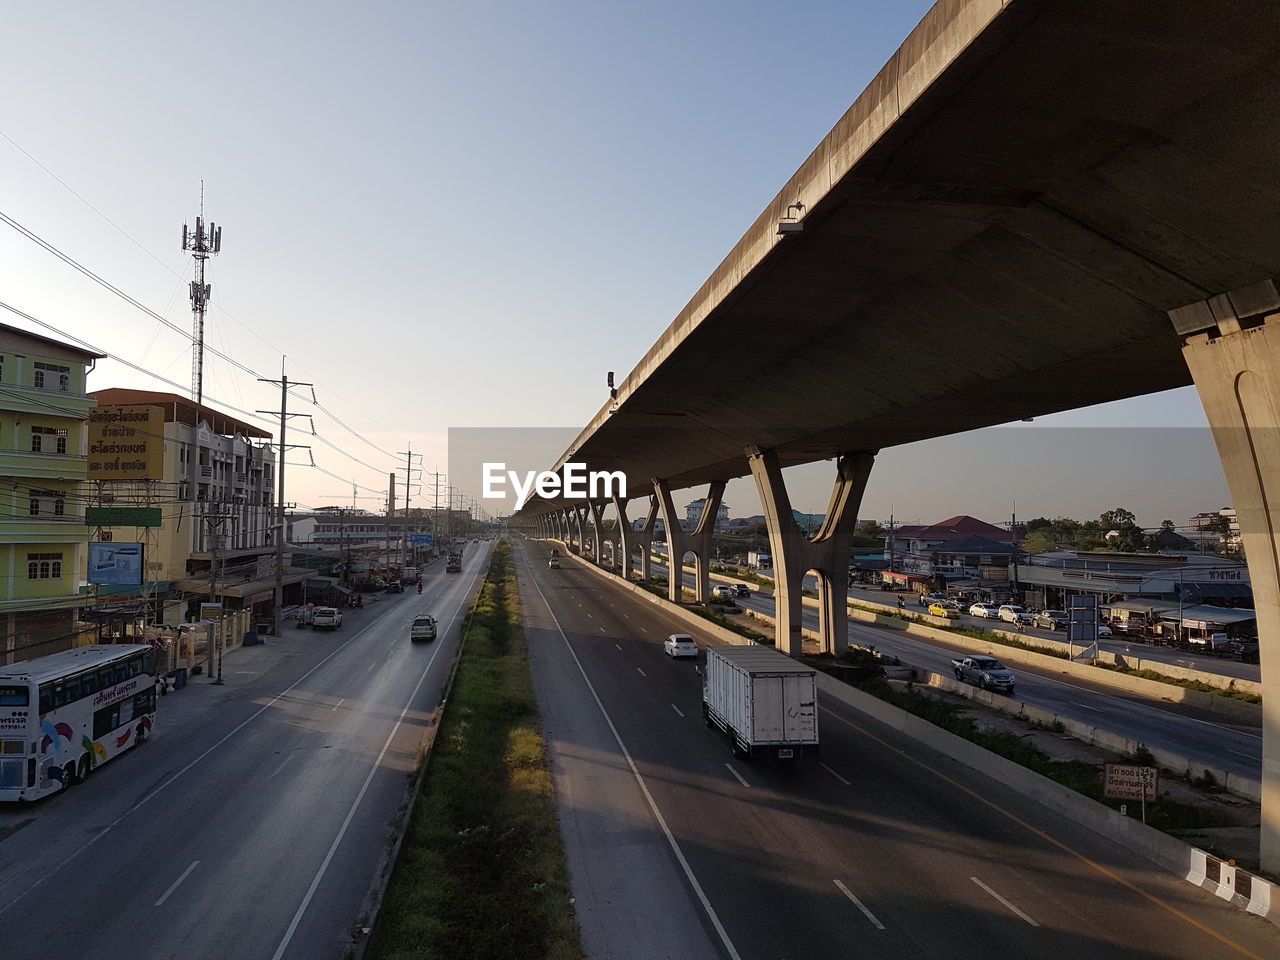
62	715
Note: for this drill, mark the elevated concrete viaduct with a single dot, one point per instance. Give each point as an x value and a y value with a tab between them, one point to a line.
1002	226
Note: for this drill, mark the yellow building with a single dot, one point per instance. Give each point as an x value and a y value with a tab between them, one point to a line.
43	413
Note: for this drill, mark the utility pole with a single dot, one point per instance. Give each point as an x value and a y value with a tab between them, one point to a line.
284	415
215	521
205	241
391	512
408	468
1013	558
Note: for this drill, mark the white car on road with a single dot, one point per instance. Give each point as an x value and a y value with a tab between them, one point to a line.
722	590
1014	613
680	645
988	611
326	618
422	628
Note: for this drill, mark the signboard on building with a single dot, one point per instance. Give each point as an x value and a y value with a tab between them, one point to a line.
126	442
117	563
420	538
1128	781
122	517
211	611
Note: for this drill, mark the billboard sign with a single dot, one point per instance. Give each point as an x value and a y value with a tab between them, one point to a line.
126	442
115	563
420	538
122	517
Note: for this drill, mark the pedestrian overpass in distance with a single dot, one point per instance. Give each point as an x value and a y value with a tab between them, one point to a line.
1034	206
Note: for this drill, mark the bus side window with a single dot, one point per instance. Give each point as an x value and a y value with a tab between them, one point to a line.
104	677
119	672
105	720
135	666
46	698
149	663
72	689
59	694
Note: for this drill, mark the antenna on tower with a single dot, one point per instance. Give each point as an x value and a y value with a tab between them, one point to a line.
203	242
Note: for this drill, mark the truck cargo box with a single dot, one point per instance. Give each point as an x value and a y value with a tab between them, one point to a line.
764	700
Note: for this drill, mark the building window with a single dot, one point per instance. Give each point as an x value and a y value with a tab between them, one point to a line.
48	440
46	502
51	376
105	536
44	566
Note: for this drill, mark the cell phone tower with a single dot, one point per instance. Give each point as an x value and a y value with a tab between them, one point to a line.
204	242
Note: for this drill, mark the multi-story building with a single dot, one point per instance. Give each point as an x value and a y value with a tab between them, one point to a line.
213	480
43	414
693	513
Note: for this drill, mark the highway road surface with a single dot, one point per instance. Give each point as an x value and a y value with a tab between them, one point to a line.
1186	730
252	823
879	848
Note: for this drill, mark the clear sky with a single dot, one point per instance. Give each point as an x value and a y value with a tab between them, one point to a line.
453	214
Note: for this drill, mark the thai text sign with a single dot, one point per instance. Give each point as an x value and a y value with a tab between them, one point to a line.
1128	781
126	443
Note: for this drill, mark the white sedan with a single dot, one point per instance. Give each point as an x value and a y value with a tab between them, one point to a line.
680	645
988	611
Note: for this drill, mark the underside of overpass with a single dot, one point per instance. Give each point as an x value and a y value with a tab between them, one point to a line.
1000	227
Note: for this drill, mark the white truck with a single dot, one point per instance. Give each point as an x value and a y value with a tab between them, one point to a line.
759	560
764	701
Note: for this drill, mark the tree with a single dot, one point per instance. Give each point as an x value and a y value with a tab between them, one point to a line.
1038	541
1166	524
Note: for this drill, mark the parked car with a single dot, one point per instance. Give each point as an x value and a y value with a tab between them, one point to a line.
326	618
1052	619
948	610
1014	613
929	598
422	628
680	645
723	590
988	611
395	586
1103	631
741	590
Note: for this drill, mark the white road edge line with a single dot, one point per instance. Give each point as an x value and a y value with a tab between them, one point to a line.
338	704
618	646
641	672
737	776
677	710
860	905
837	776
1004	901
185	873
355	804
644	789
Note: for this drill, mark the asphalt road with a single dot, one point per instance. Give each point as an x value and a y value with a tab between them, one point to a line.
1186	730
252	823
879	849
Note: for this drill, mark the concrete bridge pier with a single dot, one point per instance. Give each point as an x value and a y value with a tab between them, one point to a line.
1233	352
827	554
596	512
698	542
641	539
579	514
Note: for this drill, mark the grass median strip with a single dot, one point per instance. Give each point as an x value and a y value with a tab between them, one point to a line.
482	869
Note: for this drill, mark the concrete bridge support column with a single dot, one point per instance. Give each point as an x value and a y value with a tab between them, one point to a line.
581	515
623	539
1233	352
698	542
595	510
566	528
642	539
827	554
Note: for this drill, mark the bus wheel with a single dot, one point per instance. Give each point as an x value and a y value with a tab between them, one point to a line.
82	770
69	776
141	737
